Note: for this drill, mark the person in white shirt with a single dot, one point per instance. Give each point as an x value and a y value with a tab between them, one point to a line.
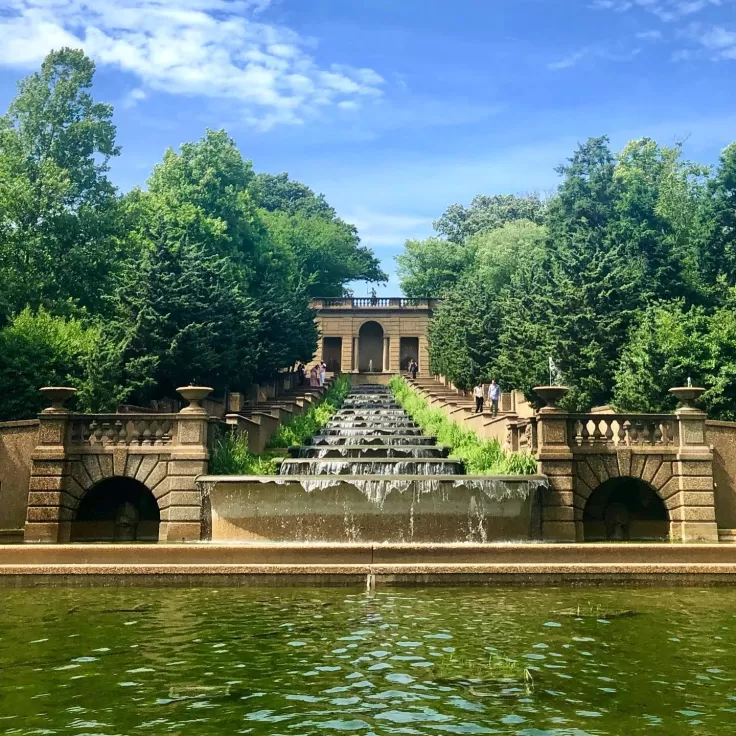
478	393
494	394
322	373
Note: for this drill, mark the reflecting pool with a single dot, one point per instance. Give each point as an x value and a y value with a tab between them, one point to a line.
545	662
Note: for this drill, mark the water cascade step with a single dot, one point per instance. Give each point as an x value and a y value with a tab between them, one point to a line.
371	435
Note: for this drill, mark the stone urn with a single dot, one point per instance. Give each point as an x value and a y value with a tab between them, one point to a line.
194	394
550	395
58	396
687	396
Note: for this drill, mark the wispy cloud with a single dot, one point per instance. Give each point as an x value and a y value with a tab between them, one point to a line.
666	10
379	229
717	42
619	52
214	48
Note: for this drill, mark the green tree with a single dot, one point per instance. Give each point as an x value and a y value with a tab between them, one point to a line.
458	223
432	267
58	213
464	334
672	342
180	317
327	249
324	252
38	349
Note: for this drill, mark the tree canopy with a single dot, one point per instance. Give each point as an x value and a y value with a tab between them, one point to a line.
204	275
621	277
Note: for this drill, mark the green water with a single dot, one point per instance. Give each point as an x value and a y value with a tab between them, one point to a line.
326	661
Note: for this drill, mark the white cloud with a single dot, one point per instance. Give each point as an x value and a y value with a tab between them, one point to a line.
213	48
379	229
717	43
649	35
568	61
666	10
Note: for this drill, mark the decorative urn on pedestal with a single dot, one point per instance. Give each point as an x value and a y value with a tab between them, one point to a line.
194	394
687	396
58	396
550	395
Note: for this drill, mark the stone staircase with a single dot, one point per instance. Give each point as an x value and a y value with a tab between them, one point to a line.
371	435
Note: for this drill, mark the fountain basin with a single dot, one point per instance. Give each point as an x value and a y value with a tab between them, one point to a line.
437	509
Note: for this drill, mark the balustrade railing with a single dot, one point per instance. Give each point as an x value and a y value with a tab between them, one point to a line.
102	430
373	302
623	430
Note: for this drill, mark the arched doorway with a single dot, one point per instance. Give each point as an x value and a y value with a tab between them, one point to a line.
117	510
625	509
370	348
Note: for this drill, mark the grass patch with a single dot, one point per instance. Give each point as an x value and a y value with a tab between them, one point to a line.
306	425
481	457
231	456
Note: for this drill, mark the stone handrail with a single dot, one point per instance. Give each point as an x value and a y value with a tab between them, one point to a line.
521	434
372	302
623	430
101	430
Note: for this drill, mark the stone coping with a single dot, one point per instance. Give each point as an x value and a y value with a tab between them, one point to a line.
348	478
291	564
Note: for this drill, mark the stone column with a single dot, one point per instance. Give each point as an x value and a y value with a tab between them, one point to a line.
181	507
48	518
386	354
423	356
688	494
555	460
356	354
346	359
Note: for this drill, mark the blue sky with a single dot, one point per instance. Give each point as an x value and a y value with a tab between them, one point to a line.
395	109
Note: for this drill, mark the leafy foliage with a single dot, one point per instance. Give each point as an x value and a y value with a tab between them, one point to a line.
204	276
481	457
231	456
38	349
304	426
625	284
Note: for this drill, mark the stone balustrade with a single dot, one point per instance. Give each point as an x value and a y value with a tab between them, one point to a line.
623	430
125	430
373	303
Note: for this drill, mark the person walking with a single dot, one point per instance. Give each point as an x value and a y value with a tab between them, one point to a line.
322	373
413	369
478	393
494	395
314	377
301	372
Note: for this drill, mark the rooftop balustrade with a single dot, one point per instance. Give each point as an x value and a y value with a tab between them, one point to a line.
348	303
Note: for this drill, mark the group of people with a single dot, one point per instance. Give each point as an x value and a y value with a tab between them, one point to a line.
494	396
317	374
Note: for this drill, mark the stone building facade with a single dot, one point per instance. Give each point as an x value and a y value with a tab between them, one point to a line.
373	335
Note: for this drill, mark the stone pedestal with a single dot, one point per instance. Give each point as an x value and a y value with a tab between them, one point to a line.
555	460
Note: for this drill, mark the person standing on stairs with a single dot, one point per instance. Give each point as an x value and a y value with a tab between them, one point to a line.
494	395
413	369
478	393
322	373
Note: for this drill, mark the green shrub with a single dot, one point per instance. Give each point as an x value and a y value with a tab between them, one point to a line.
231	456
306	425
481	457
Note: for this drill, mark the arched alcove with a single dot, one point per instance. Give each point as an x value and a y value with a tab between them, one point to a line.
625	509
370	348
117	510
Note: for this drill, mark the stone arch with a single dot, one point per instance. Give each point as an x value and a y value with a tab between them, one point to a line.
623	509
370	346
592	470
116	509
151	470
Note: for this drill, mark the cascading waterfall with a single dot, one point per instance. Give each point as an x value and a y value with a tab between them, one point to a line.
371	412
371	475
